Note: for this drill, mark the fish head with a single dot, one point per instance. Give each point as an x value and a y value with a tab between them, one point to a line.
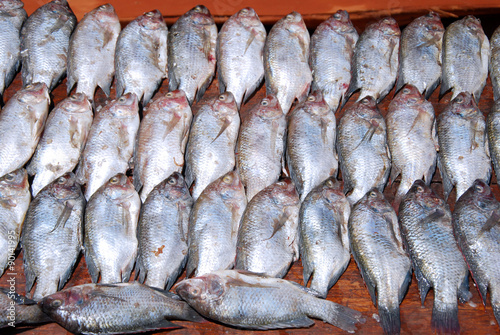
376	202
174	100
174	187
6	5
59	9
388	26
433	26
230	188
65	187
409	95
225	106
269	108
201	292
200	15
152	20
464	105
13	185
34	94
283	193
331	191
315	104
294	23
341	23
473	24
248	17
76	103
424	196
366	111
125	106
106	14
118	187
480	196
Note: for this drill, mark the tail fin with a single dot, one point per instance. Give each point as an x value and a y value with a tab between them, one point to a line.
445	318
389	319
340	316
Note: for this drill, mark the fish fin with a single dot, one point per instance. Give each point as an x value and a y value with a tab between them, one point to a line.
251	274
432	87
492	221
366	278
140	271
389	319
353	88
340	316
445	87
66	213
307	271
251	90
187	313
127	271
368	136
445	318
279	222
17	298
70	83
395	172
105	87
136	173
92	267
303	322
399	82
429	174
201	90
170	281
29	275
67	274
434	216
423	284
464	294
447	185
226	124
163	324
253	34
404	287
171	124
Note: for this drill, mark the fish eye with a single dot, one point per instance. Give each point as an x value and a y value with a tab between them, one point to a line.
222	97
372	194
459	100
365	101
329	183
244	11
169	95
420	189
337	16
479	188
29	86
9	177
264	103
149	14
122	99
289	17
114	180
197	9
282	184
73	97
406	90
61	180
56	303
195	291
171	181
311	98
227	179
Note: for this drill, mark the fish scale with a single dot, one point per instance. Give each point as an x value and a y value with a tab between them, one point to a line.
495	63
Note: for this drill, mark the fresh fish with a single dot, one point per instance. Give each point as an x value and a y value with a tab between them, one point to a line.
62	142
495	63
110	242
141	56
310	144
268	240
110	143
428	235
162	233
213	225
493	130
466	53
21	124
362	147
286	56
378	251
463	145
161	141
332	48
324	239
191	53
240	48
375	62
45	42
52	236
212	140
260	146
91	60
252	301
420	54
16	309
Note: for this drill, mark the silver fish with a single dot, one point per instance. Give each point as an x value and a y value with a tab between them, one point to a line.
16	309
493	130
495	63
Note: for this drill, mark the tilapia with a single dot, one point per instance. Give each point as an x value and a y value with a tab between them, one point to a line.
286	56
163	233
141	56
324	239
377	248
213	225
240	49
45	42
495	63
110	241
268	240
16	309
212	140
261	146
330	56
310	144
62	142
52	235
191	53
493	131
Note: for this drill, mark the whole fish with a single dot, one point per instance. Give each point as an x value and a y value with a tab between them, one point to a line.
212	140
286	56
260	146
52	235
141	56
420	54
495	63
463	146
110	144
162	233
428	235
378	251
116	309
324	239
252	301
310	144
191	53
268	240
213	225
364	156
110	241
493	130
91	59
466	53
62	142
16	309
240	48
45	42
161	141
331	51
375	62
21	124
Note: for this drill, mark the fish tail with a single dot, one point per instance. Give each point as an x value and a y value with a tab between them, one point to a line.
445	318
389	319
340	316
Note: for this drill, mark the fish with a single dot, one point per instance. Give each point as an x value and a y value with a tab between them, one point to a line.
45	43
463	145
420	54
110	143
213	225
364	155
310	145
466	54
240	50
286	55
63	139
268	240
212	141
331	51
493	132
16	309
52	236
141	56
427	232
91	54
191	55
261	146
252	301
161	141
494	65
21	124
163	232
377	248
323	235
